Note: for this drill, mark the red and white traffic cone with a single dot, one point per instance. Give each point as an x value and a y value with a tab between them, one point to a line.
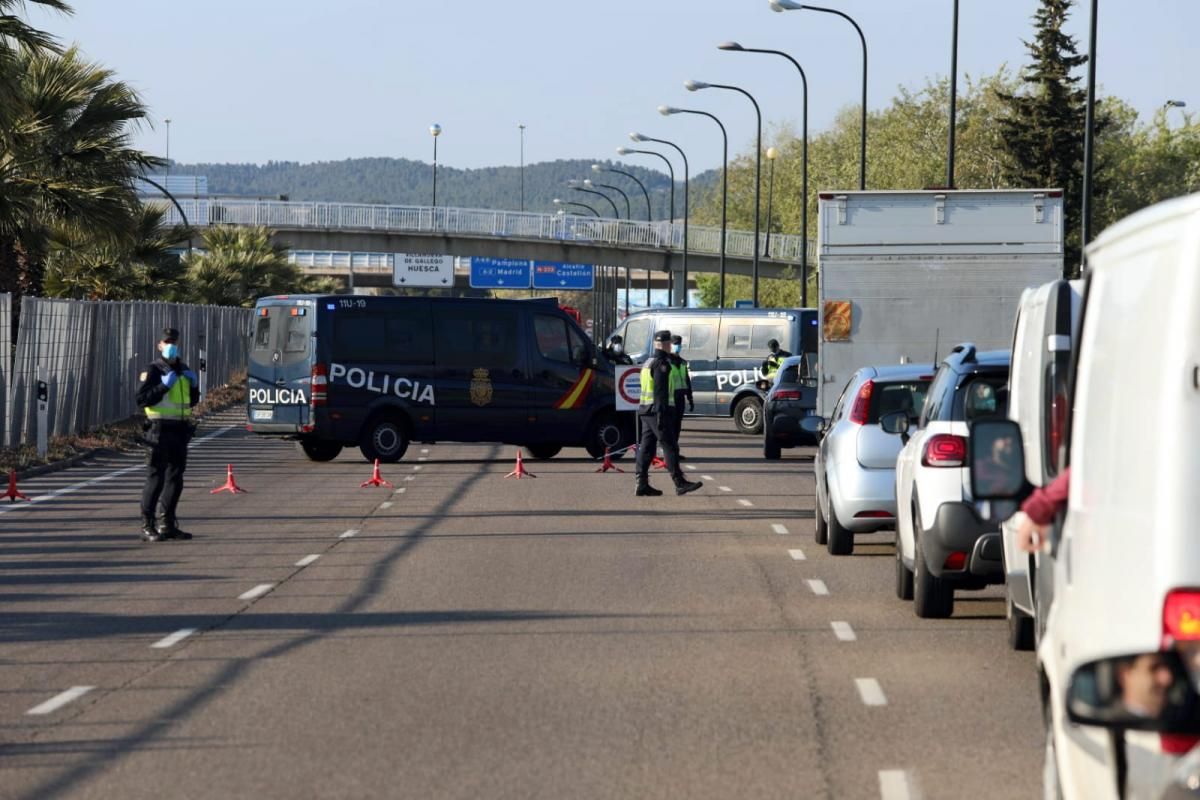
13	494
608	465
658	463
520	471
230	484
376	479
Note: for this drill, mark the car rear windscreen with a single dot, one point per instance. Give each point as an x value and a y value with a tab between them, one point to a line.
887	398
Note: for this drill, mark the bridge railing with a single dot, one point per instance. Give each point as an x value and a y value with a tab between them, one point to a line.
481	222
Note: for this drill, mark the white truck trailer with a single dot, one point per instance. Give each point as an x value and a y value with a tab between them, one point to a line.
906	275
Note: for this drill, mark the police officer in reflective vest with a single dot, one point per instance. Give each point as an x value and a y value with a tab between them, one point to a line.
657	415
683	385
615	352
772	363
168	392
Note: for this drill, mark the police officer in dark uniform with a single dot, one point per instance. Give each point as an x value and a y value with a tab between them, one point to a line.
774	361
615	352
683	386
657	415
168	392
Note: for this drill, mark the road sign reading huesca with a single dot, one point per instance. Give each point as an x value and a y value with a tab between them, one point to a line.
419	269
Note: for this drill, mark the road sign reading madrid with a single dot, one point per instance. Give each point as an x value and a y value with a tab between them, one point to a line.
500	273
556	275
416	269
629	387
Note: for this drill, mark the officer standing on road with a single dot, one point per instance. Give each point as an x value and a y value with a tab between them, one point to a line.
683	386
657	413
168	393
774	361
615	352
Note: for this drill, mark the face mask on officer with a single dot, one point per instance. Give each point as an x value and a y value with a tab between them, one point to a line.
170	351
676	348
618	348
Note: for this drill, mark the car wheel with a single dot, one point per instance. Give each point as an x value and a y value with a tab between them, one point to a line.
543	451
384	438
317	450
748	416
840	541
904	576
820	527
932	598
1020	627
608	433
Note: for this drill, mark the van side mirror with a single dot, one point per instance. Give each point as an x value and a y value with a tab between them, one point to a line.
1141	691
996	454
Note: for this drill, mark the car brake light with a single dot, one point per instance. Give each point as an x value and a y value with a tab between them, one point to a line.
1177	744
319	383
787	394
945	450
1058	423
873	515
955	561
862	404
1181	616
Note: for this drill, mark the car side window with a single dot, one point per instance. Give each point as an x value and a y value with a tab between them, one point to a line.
841	402
551	335
936	394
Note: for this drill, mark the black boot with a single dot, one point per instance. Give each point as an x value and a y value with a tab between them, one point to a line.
149	533
683	486
644	489
169	529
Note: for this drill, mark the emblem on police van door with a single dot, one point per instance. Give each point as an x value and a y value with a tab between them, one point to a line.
481	387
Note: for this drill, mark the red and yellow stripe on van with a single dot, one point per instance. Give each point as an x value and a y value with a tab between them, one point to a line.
577	394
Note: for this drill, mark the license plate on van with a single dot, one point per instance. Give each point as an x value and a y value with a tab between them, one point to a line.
262	414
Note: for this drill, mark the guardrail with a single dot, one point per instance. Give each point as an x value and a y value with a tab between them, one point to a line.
480	222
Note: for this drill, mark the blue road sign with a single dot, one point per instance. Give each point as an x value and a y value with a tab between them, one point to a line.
556	275
500	273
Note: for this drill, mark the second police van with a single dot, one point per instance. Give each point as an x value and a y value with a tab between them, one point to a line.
335	371
725	349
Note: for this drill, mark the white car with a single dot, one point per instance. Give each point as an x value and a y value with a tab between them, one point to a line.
941	543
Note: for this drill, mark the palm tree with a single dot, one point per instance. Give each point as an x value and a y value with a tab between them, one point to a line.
240	264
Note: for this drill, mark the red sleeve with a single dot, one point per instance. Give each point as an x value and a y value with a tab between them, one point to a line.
1045	503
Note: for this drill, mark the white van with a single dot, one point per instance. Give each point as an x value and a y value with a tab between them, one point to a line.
1037	401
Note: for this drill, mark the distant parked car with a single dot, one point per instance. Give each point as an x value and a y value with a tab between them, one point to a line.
856	461
791	398
941	543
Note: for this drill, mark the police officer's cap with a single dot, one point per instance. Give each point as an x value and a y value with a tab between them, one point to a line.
662	336
677	339
170	335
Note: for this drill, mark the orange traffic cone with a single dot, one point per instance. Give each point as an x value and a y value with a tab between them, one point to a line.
376	479
520	471
608	464
13	494
658	463
230	484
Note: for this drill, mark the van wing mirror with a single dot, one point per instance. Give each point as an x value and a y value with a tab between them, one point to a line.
1142	691
997	458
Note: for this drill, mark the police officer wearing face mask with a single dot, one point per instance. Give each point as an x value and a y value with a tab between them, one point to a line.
615	352
683	385
168	392
657	416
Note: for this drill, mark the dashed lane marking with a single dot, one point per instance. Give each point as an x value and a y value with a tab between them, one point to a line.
422	458
386	504
304	562
174	639
797	554
780	529
725	489
743	501
689	466
424	450
416	467
409	477
843	631
401	490
894	784
60	700
818	587
708	477
350	533
870	691
257	591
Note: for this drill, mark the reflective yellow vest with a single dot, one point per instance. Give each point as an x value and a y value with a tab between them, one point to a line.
175	404
773	364
679	377
673	383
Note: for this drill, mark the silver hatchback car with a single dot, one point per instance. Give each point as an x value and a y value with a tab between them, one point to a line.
855	464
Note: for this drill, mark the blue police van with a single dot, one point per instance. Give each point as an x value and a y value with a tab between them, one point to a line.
725	349
380	372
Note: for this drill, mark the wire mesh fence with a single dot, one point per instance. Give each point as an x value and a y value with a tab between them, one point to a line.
91	353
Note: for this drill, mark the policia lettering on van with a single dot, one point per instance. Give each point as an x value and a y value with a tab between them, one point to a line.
380	372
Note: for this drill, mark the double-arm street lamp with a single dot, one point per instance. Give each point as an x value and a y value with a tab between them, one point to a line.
791	5
593	185
639	138
600	168
575	185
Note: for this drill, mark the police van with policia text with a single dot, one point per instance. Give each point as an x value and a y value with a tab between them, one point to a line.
380	372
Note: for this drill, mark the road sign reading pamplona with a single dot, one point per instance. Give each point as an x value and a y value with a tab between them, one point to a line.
500	273
419	269
557	275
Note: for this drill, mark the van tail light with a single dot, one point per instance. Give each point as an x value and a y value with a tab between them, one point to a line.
787	394
956	561
862	404
1058	424
1181	616
319	385
1176	744
945	450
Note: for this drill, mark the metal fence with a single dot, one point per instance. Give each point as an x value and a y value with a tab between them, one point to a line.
480	222
91	353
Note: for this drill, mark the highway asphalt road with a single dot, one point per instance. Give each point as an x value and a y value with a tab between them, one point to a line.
464	635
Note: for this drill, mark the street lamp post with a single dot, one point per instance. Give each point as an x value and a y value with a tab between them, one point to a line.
695	86
772	154
637	137
735	47
435	130
593	185
575	186
953	97
632	177
561	202
522	127
667	111
167	158
791	5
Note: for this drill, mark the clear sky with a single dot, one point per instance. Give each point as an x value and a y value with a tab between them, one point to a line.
300	80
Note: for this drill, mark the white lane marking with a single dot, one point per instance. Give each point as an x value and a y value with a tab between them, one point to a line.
60	700
174	639
257	591
818	587
894	784
870	691
349	533
75	487
409	477
424	449
304	562
386	504
422	458
725	489
416	467
689	466
797	554
743	501
708	477
780	529
843	631
401	490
